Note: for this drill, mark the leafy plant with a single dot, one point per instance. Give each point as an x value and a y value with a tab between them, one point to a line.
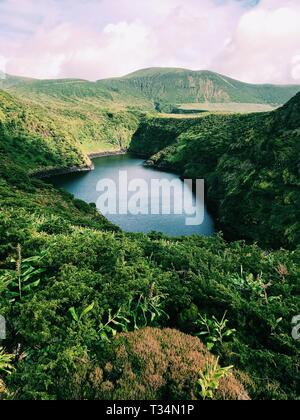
5	362
4	282
140	312
254	286
210	378
213	330
118	322
145	309
76	317
24	278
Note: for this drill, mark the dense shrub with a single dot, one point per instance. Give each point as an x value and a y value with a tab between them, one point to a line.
82	265
153	364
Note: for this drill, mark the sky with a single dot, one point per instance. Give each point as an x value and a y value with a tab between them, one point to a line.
257	41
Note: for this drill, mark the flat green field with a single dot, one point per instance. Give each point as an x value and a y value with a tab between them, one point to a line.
227	107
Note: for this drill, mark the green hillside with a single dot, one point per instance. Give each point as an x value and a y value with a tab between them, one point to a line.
95	118
250	164
179	86
33	140
103	116
69	90
96	313
77	294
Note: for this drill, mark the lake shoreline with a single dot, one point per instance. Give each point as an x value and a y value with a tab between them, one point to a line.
48	173
96	155
141	219
211	205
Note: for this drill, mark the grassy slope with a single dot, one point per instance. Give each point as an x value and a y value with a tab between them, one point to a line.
103	116
96	118
31	138
177	86
250	163
85	259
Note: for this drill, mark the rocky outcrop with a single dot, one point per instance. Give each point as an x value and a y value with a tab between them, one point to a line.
103	154
89	166
48	173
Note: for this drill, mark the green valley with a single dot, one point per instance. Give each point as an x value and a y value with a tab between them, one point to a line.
93	312
104	115
249	162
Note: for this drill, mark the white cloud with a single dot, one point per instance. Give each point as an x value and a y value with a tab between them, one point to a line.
94	39
264	44
142	34
296	67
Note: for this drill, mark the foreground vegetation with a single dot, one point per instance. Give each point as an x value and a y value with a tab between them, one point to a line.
70	281
83	300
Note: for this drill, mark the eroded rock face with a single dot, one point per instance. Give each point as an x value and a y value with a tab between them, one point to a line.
188	86
48	173
176	86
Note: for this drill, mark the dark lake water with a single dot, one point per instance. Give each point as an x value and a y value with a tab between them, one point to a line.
84	186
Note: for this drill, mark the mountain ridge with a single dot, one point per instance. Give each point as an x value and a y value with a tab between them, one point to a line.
176	85
177	70
161	85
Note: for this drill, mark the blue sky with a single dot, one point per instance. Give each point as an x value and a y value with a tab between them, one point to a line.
243	3
253	40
